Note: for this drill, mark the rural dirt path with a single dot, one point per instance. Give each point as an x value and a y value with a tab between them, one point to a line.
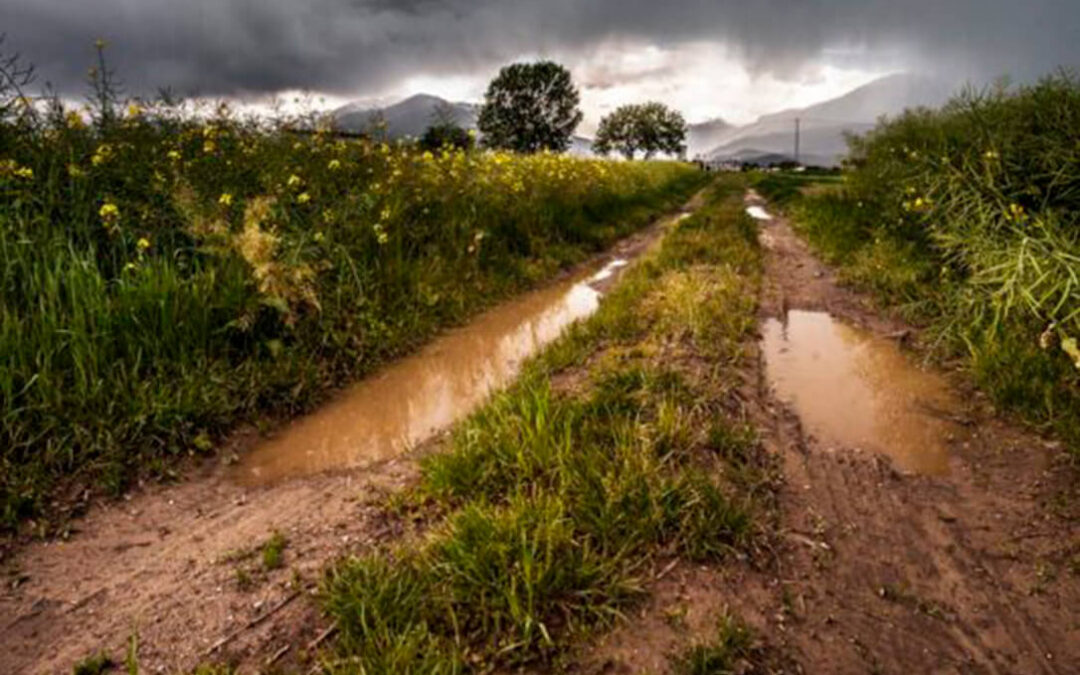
875	570
180	565
883	571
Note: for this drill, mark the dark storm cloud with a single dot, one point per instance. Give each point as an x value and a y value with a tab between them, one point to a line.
348	46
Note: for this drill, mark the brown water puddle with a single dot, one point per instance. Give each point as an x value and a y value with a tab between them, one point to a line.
854	390
387	414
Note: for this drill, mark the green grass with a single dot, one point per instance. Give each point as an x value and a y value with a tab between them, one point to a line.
95	664
728	652
784	187
963	219
165	278
273	551
550	503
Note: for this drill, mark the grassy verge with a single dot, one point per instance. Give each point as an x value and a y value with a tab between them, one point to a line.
964	218
164	277
619	445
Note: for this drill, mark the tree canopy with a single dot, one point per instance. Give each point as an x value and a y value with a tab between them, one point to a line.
530	107
647	127
445	131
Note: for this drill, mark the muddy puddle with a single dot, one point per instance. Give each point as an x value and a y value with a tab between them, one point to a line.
387	414
854	390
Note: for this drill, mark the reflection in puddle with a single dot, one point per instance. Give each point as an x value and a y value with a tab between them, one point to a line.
393	410
858	391
758	213
608	270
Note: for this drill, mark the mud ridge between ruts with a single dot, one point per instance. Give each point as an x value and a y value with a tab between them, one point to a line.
885	572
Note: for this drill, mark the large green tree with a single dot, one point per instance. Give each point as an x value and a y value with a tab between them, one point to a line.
647	127
530	107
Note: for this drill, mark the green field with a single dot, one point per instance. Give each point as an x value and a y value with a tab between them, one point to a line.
165	277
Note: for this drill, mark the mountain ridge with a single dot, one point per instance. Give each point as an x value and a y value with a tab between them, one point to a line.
823	125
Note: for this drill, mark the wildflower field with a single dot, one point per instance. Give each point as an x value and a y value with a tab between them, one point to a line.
165	276
966	218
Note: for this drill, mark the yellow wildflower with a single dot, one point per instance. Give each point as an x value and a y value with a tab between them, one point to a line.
110	213
174	155
380	233
103	154
294	181
1016	211
1071	347
130	267
24	172
303	198
209	146
225	199
134	109
143	244
334	165
73	120
319	236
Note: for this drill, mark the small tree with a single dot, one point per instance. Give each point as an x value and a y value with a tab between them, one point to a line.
439	136
445	131
649	127
530	107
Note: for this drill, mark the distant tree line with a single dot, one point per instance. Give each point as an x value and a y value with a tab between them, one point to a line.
532	107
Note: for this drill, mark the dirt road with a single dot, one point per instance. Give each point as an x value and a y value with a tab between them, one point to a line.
885	571
876	569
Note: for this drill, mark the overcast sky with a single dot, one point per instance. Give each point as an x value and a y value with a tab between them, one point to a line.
730	58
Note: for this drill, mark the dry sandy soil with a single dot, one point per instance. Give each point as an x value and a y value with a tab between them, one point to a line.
872	570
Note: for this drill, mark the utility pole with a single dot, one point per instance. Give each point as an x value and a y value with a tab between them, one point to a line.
796	140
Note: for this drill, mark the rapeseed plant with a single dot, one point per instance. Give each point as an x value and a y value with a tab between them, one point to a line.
969	226
243	299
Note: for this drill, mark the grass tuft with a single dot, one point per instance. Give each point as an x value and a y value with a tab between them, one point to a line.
273	551
728	652
95	664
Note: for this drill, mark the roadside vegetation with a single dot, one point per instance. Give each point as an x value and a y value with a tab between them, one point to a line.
166	274
965	218
619	448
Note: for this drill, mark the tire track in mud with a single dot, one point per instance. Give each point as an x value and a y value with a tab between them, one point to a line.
895	573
